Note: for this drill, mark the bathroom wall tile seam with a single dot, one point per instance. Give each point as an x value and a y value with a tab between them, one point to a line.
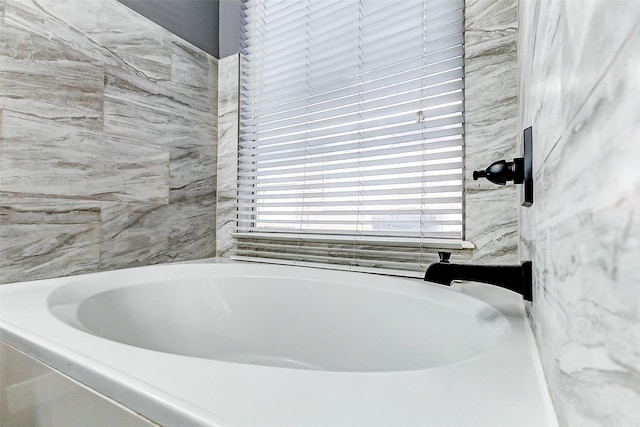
571	122
153	192
575	66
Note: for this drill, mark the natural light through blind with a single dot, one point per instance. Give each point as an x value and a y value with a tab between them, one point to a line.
351	123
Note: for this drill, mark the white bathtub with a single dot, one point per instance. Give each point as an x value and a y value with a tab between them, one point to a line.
234	344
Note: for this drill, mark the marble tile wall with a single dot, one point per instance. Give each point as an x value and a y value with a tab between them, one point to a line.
579	68
491	118
108	141
228	110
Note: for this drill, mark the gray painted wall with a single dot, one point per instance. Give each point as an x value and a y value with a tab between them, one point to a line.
196	21
229	27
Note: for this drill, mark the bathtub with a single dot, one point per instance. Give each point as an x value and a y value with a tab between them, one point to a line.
242	344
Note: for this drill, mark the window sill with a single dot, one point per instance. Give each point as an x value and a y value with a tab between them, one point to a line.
363	240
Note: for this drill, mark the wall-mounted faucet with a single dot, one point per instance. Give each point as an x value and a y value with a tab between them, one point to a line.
516	278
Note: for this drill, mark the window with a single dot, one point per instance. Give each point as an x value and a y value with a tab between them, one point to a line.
351	125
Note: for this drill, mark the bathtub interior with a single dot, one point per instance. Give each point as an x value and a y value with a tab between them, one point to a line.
285	319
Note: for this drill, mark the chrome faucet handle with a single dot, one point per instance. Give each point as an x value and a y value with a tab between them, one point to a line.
444	256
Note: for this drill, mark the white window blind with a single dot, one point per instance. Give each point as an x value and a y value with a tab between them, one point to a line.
351	126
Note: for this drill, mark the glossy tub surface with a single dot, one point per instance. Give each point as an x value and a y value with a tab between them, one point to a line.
236	344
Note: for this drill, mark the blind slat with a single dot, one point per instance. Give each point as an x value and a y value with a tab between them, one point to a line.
372	128
382	102
399	180
390	70
400	170
445	137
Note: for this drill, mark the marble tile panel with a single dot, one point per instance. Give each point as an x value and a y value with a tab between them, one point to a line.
136	108
135	42
192	174
544	79
583	230
581	283
143	234
32	33
22	38
600	136
191	230
83	165
63	91
492	225
228	83
227	152
23	125
490	17
48	238
587	58
133	234
194	74
554	85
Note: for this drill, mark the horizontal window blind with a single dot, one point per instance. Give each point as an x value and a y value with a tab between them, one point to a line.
351	131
